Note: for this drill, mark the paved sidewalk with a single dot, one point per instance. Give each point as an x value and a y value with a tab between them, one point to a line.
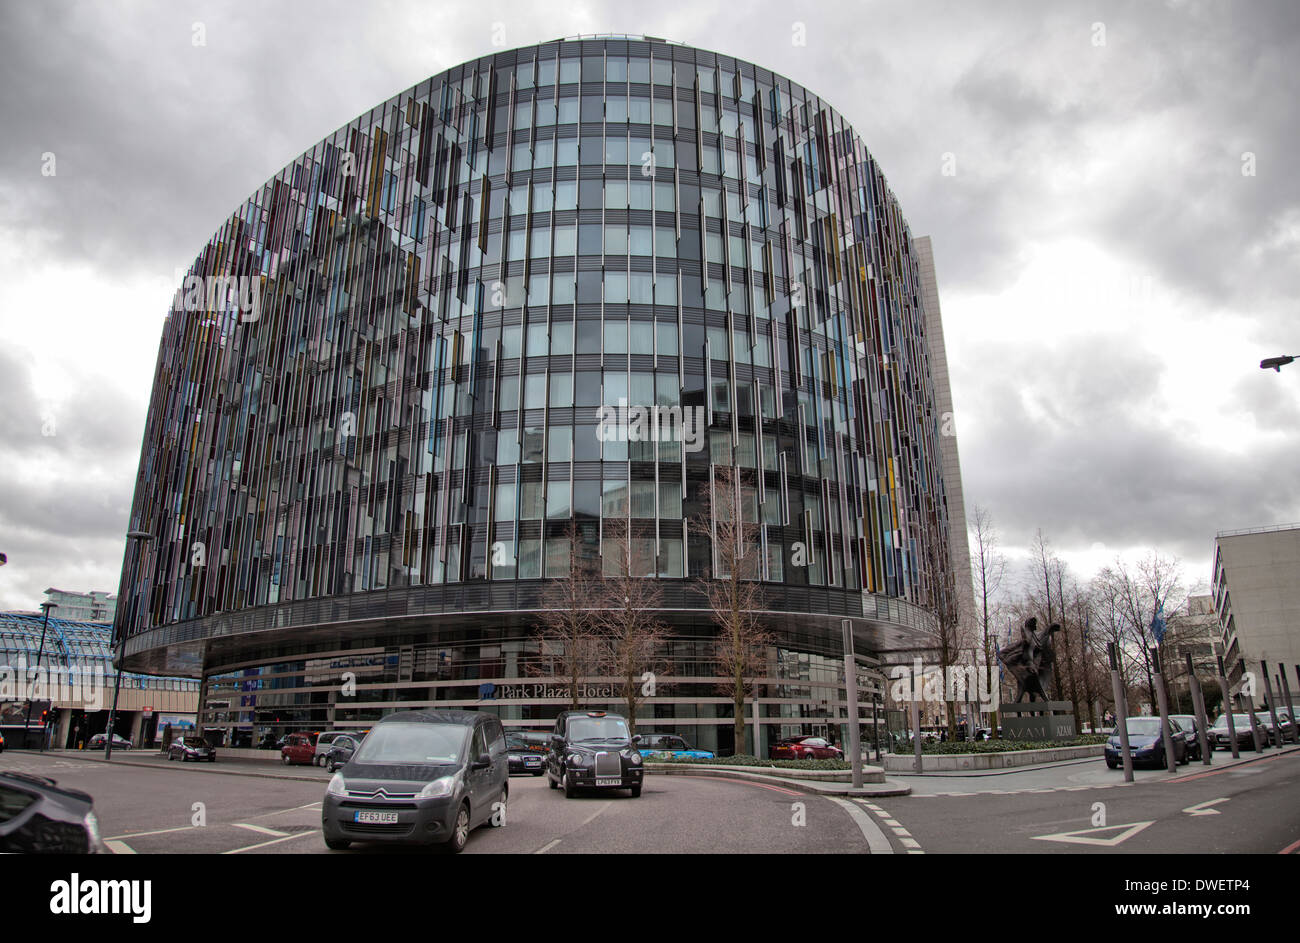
1072	776
270	768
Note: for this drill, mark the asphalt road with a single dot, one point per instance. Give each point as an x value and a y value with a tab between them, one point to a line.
151	809
1249	808
147	806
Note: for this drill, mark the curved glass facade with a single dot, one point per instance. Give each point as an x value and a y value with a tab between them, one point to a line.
378	402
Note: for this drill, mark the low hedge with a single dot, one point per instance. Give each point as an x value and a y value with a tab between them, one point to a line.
946	747
744	760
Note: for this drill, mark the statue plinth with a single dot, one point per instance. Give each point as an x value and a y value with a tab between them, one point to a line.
1037	720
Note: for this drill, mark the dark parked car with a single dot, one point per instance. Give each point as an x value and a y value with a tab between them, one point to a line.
593	750
100	742
37	815
526	751
1270	736
422	777
1191	727
804	748
1147	743
191	748
1221	738
2	743
341	750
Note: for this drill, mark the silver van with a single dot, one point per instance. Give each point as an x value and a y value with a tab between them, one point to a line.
326	740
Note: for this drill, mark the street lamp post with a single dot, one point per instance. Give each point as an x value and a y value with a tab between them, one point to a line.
45	621
1277	363
134	539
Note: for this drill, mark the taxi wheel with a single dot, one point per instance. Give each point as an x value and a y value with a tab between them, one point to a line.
337	844
285	758
552	783
636	792
569	789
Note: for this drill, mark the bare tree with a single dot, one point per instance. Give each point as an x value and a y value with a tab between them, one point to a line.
734	591
1139	594
630	636
990	569
940	598
569	626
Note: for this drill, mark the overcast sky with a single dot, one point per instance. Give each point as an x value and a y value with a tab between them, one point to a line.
1116	249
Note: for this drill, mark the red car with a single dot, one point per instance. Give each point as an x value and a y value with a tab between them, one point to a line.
298	748
804	748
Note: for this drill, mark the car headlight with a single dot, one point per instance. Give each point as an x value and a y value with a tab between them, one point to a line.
634	758
91	824
576	759
438	789
337	786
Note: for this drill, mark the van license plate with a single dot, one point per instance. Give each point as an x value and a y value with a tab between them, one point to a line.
609	782
376	818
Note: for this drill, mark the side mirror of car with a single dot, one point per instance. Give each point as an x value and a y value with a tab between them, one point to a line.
636	738
483	762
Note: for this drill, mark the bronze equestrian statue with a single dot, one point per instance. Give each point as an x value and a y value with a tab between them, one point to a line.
1030	660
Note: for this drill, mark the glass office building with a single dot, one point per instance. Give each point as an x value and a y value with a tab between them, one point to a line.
374	414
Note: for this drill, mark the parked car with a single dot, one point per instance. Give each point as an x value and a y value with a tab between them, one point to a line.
1223	741
1191	730
672	745
100	742
298	748
804	748
2	742
424	777
342	749
526	751
1147	743
326	740
1272	736
593	750
37	815
191	748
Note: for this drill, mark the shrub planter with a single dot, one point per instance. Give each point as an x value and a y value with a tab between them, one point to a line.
948	762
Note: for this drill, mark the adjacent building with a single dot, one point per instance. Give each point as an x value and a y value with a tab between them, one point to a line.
379	405
64	667
1256	590
94	606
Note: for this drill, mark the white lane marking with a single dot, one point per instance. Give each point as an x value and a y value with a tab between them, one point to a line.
1087	836
547	847
876	840
588	819
159	831
1203	808
118	847
273	841
259	828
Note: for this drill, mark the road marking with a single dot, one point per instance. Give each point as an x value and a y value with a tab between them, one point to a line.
547	847
1203	808
273	841
160	831
588	819
1087	836
1246	767
747	782
876	840
259	828
118	847
1290	848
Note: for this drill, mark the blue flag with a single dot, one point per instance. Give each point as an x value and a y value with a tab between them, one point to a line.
1158	624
